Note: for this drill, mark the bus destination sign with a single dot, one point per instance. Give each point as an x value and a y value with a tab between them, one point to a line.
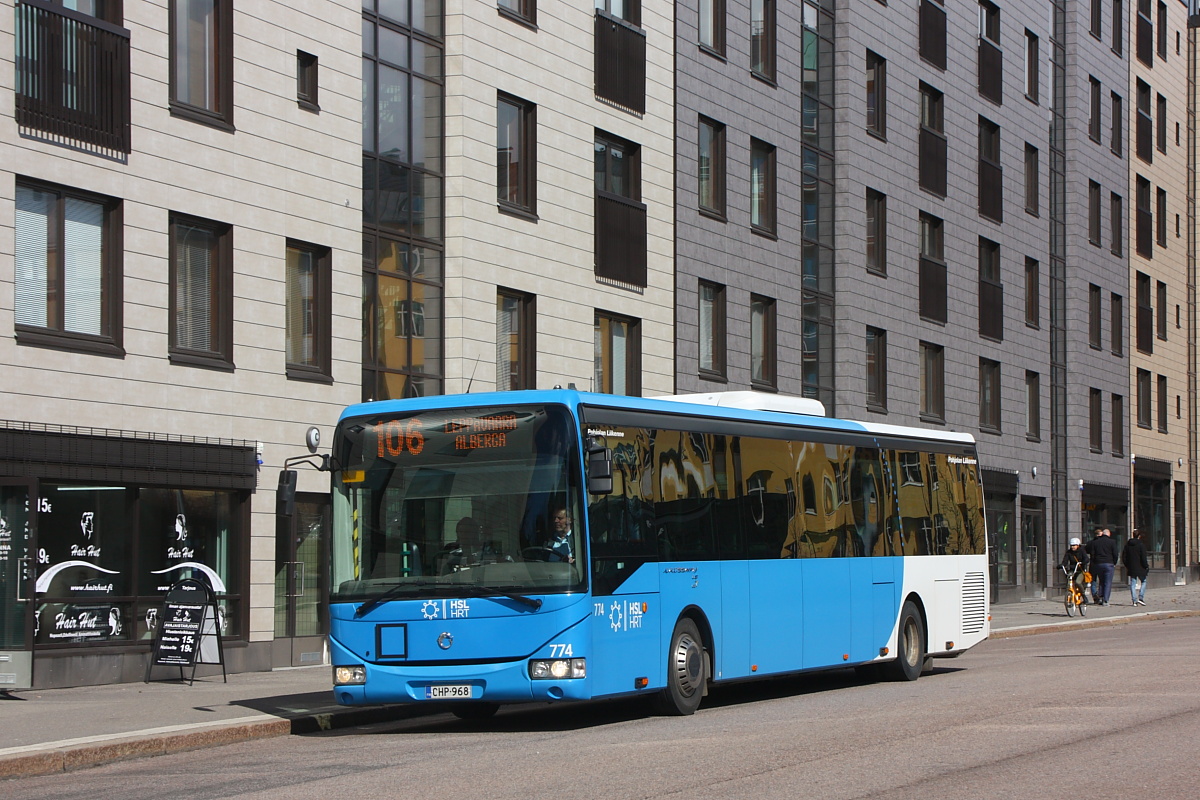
396	437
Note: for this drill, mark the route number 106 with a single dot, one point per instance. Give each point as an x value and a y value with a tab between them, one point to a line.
395	437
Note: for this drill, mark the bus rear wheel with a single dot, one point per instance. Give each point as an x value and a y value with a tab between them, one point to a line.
910	645
685	671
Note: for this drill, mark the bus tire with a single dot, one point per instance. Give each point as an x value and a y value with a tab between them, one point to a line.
685	671
910	645
475	711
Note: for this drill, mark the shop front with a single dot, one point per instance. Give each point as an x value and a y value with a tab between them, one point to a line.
97	525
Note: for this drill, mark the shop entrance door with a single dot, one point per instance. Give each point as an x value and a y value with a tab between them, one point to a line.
1033	549
302	584
17	548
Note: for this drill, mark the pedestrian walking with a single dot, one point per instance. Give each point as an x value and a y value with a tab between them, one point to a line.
1103	561
1093	586
1137	567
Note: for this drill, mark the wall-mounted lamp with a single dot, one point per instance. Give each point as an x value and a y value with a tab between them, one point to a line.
1033	472
1081	484
1180	462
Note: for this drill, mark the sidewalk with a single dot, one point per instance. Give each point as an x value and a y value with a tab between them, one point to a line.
54	730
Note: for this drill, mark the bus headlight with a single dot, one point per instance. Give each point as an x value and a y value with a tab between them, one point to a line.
347	676
557	669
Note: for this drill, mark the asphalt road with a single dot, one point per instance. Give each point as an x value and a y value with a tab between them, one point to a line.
1100	713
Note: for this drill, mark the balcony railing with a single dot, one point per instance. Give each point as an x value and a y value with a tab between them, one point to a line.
72	78
620	62
620	239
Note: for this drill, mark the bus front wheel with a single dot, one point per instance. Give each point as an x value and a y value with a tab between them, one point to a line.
910	645
685	671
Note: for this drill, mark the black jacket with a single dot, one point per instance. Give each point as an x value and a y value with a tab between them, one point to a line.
1103	550
1134	559
1072	556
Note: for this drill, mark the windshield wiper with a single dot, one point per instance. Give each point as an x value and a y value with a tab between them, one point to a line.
394	591
482	591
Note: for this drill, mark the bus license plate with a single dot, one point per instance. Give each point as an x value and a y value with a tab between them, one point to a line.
459	691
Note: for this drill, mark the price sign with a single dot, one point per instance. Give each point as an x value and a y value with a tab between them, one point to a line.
177	641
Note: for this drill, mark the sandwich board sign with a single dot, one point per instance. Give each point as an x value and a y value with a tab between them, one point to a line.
188	633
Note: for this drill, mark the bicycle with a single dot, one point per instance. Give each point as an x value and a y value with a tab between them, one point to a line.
1074	600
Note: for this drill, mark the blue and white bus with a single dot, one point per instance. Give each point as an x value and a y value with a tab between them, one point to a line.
544	546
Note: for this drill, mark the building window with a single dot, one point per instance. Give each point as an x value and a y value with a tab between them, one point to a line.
991	174
1118	27
1162	403
1033	406
306	81
620	234
1145	124
762	38
932	267
1118	425
876	369
1033	304
991	291
877	243
1094	123
1032	181
1094	235
712	330
989	394
67	269
1145	219
1096	420
1032	66
201	52
933	383
1161	130
932	33
1116	140
522	10
1161	297
1094	322
1116	320
762	341
1143	399
617	355
309	295
1116	217
1145	314
931	147
1097	17
711	166
1160	228
762	187
1162	30
1145	33
201	280
712	25
516	154
516	348
876	94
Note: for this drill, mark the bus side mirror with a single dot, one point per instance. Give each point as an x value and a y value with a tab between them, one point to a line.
599	468
285	494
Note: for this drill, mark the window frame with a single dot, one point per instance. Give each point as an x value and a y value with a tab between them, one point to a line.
526	344
1116	224
765	341
1144	401
307	81
109	342
525	202
876	89
933	382
1032	67
523	12
1032	181
1033	297
219	355
763	198
990	389
319	367
1095	420
715	336
875	241
876	369
633	354
218	70
762	59
1033	406
716	169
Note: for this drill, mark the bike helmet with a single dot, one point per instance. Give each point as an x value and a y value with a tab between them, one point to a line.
1075	540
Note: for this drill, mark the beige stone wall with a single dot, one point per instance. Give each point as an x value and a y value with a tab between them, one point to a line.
285	172
551	258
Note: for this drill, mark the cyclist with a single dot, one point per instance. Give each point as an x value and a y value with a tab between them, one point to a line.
1075	562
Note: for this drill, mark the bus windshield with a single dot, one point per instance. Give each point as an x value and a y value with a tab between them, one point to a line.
456	503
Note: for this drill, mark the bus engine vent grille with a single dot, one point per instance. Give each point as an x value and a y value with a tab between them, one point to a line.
973	602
